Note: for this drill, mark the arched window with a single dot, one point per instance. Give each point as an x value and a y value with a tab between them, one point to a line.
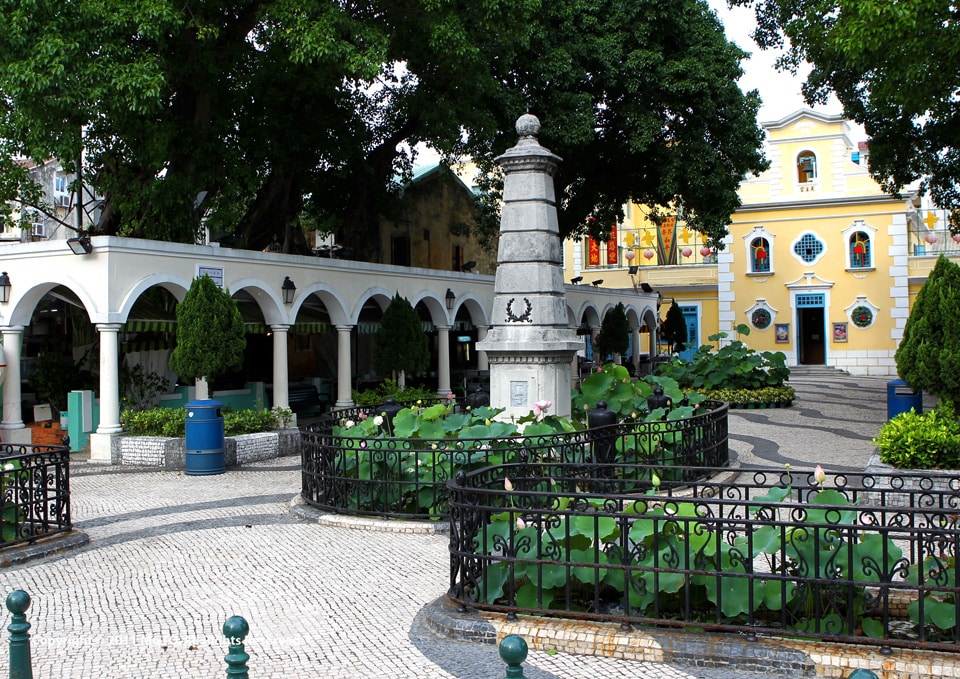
759	255
860	251
806	167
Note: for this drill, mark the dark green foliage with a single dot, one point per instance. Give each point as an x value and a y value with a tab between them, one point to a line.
140	389
734	366
894	66
928	357
54	376
400	344
389	389
674	330
210	334
614	335
287	113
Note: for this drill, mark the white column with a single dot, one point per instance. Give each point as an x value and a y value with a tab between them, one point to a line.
482	362
13	428
281	390
344	374
109	378
443	360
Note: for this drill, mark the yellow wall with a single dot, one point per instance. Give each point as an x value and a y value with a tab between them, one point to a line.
782	205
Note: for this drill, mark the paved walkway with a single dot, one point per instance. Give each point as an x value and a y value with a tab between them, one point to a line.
172	556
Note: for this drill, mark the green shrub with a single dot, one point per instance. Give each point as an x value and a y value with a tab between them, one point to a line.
775	395
389	389
171	422
928	441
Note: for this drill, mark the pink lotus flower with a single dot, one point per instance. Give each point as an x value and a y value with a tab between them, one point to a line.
819	475
541	407
507	485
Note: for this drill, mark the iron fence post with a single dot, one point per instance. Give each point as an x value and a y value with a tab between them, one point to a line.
235	629
21	667
513	651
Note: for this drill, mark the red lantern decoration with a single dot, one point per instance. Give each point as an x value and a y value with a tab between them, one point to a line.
705	251
686	252
629	255
930	238
956	237
648	254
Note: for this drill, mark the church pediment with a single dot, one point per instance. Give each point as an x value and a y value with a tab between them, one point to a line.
810	280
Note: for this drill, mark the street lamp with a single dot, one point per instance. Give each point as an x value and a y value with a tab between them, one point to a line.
4	288
288	289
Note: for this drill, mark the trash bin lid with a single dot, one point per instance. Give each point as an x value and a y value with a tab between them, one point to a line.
204	403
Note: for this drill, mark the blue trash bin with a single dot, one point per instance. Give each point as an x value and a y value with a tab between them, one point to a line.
901	398
204	445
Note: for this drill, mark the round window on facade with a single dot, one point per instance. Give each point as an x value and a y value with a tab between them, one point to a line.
761	319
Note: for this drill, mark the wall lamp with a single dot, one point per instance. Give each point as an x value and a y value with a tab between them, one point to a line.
576	281
646	287
80	245
450	299
288	289
4	288
597	282
633	270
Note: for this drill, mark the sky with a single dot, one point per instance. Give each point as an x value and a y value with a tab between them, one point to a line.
780	91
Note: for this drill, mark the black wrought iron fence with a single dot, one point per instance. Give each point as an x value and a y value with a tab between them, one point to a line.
35	482
407	478
853	558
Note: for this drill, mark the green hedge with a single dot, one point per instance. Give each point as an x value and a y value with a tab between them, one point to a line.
171	422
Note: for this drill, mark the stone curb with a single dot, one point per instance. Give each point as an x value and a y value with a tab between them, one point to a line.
53	545
765	655
300	509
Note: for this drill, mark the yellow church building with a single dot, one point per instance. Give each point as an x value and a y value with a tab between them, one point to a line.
819	262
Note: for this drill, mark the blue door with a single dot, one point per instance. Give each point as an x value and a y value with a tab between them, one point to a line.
693	333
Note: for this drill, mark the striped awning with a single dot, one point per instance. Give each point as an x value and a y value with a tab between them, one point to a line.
149	326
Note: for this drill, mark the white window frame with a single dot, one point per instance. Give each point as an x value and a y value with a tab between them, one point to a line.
758	232
847	233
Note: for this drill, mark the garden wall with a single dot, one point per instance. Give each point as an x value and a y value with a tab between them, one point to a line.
170	453
915	481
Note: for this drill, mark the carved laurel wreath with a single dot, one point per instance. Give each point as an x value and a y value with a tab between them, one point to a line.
522	318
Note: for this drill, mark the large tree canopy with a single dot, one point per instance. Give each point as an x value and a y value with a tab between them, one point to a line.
895	67
275	111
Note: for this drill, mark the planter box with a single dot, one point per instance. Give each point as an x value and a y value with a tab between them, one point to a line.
935	481
170	453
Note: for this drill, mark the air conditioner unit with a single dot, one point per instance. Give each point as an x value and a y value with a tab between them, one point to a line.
63	201
38	230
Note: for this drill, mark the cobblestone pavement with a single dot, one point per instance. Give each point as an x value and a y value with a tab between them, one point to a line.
172	556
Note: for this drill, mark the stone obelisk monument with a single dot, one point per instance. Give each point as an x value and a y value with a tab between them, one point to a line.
530	345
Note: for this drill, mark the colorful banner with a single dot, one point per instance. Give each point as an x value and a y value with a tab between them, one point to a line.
593	252
612	257
667	241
